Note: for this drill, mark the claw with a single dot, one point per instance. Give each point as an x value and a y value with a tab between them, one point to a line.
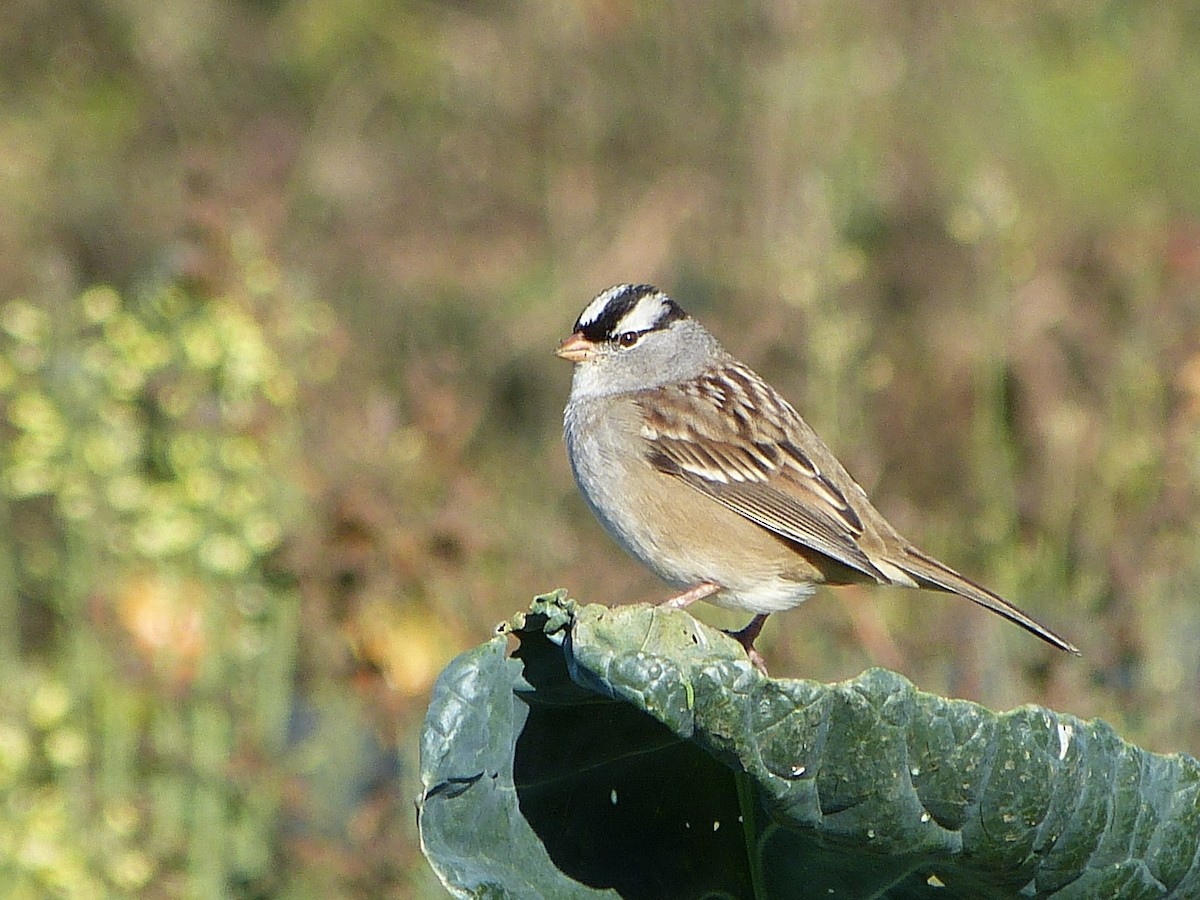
746	638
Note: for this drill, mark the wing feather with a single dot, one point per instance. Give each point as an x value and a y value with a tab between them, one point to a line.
732	437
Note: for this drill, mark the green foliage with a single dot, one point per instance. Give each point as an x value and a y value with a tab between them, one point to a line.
44	743
634	752
153	425
144	440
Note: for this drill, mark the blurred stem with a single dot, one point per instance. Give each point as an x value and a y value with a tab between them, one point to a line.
209	827
168	789
10	603
277	670
115	704
211	746
273	703
117	707
993	452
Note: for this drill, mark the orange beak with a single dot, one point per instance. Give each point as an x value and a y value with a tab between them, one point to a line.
576	348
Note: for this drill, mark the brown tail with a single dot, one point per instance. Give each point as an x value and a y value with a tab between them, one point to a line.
929	573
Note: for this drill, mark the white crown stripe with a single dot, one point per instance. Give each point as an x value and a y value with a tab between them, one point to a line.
596	308
646	313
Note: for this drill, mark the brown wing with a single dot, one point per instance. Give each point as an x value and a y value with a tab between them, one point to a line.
732	437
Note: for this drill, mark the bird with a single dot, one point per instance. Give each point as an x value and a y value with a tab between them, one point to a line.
701	470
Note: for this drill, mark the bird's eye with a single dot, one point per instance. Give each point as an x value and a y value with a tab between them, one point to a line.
628	338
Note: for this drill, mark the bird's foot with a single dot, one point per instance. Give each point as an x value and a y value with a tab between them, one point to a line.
746	638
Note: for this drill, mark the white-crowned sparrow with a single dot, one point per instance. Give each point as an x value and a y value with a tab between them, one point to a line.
701	470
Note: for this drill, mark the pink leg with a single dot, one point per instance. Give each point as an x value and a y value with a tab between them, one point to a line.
746	638
691	595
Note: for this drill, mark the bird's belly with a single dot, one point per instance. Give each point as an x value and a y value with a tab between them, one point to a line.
686	538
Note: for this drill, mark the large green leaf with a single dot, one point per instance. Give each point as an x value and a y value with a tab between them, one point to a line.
634	752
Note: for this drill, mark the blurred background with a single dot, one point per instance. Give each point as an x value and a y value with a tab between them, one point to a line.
279	417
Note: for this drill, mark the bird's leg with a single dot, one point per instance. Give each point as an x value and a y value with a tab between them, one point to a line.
746	638
691	595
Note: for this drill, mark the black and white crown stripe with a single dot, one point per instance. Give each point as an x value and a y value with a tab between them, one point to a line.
625	308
